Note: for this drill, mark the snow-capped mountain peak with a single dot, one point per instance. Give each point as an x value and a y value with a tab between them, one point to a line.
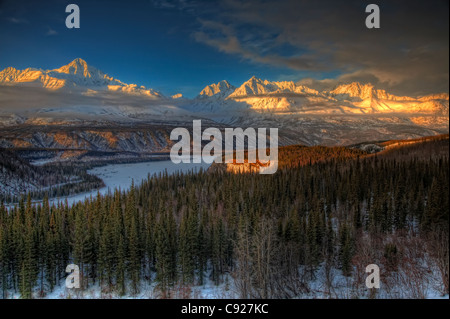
355	89
78	67
221	89
75	75
255	86
11	75
286	96
222	98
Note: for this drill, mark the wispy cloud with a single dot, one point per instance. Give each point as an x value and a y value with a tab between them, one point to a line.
51	32
17	20
227	40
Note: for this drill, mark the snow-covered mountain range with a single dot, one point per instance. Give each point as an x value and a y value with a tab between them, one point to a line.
75	75
353	98
256	86
349	113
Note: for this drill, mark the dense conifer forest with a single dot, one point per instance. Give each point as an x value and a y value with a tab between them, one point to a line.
325	210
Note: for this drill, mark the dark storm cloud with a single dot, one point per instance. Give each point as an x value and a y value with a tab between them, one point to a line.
408	55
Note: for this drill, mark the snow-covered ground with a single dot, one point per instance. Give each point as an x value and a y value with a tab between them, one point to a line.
342	287
148	291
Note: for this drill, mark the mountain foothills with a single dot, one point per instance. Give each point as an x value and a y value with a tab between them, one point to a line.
79	94
18	176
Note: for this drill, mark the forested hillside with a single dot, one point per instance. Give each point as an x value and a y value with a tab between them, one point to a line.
288	235
18	176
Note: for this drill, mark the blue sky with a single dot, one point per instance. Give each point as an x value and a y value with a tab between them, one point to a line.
180	46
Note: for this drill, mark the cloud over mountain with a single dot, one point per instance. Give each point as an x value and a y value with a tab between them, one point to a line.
408	55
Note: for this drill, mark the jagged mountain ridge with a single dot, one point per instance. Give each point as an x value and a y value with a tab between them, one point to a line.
349	98
75	75
256	86
221	89
78	93
348	113
256	94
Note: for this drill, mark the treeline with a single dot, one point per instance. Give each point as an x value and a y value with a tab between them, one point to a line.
293	156
424	148
270	234
299	155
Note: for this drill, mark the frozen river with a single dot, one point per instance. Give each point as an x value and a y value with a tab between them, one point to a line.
121	175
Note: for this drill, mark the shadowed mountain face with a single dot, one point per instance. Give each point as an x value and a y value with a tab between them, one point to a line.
105	139
78	94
